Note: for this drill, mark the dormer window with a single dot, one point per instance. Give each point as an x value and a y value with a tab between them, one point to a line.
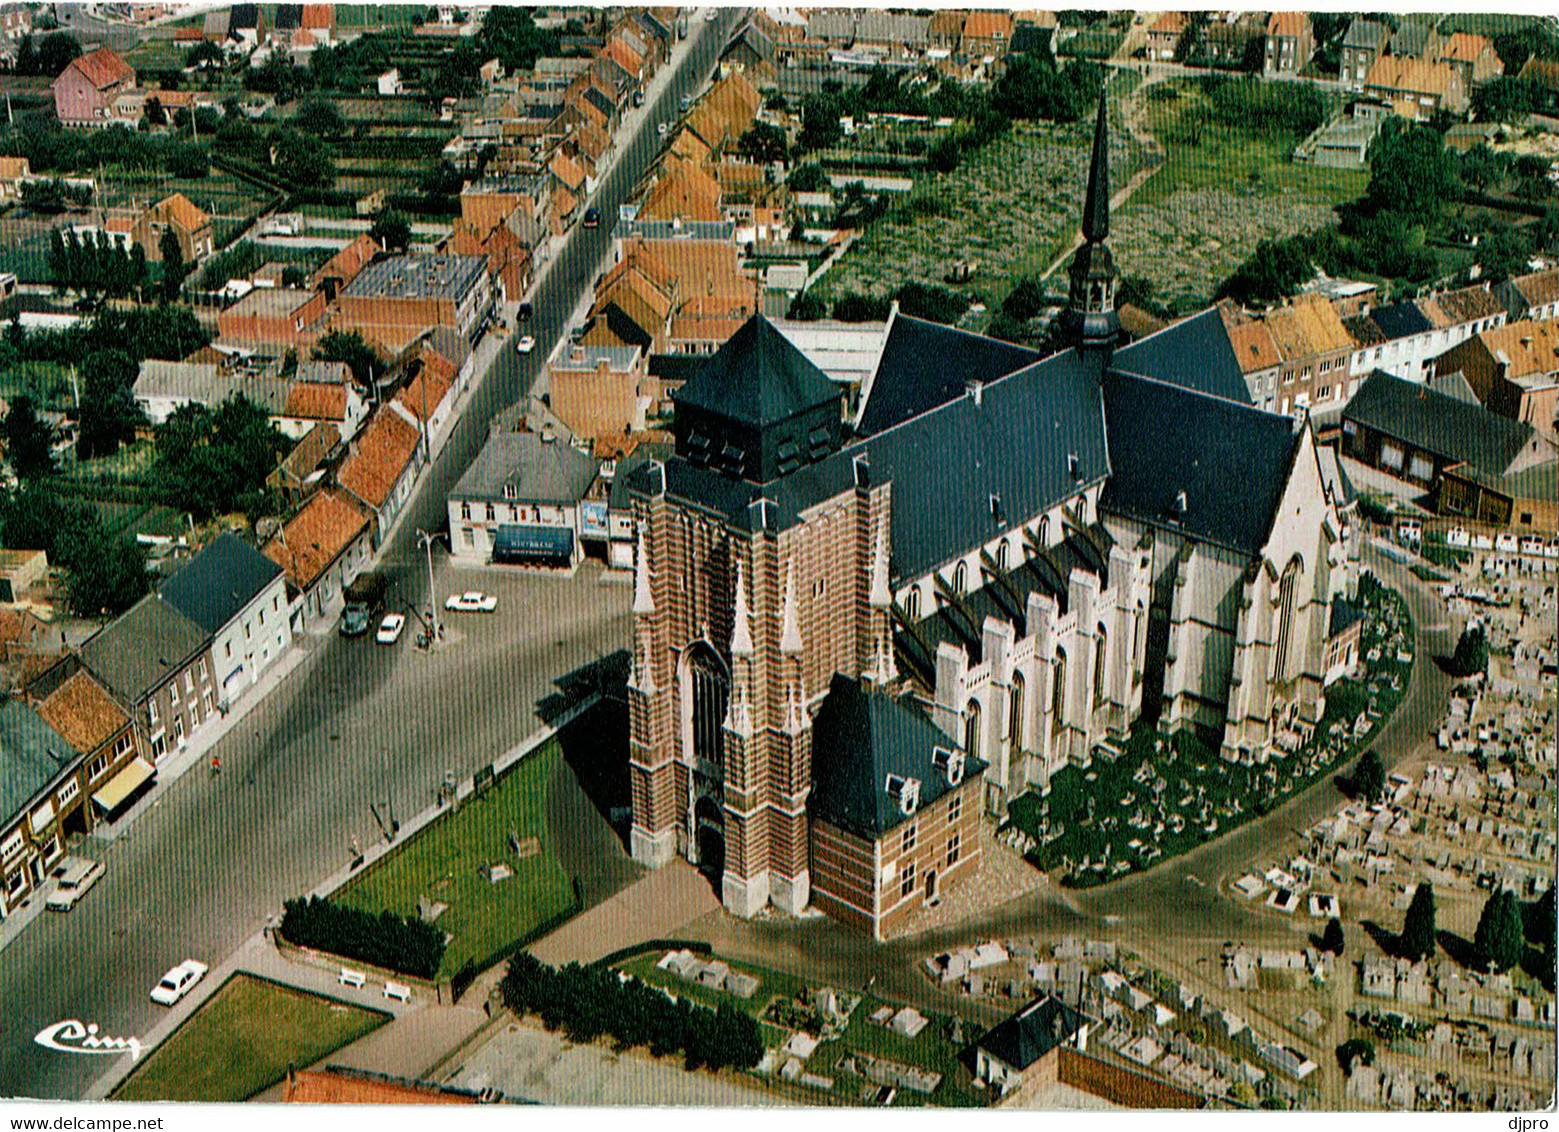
950	763
511	491
904	793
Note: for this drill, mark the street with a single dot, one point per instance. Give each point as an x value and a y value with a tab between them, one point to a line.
356	724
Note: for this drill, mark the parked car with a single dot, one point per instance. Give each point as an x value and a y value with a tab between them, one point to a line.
76	878
472	601
177	982
526	344
662	128
391	628
525	312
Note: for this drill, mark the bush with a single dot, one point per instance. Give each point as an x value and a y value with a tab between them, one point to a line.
1471	657
396	943
1355	1050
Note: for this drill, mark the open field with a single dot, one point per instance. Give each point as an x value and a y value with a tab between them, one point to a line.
242	1041
448	863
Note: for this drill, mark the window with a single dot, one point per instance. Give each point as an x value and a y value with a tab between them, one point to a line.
1001	556
1015	712
1288	587
907	885
13	845
1526	518
819	588
912	604
159	745
67	793
911	834
227	648
205	701
1421	468
17	881
178	730
511	491
1100	652
961	578
1058	690
972	729
470	536
123	745
1391	456
246	630
465	511
492	513
96	767
955	808
205	674
276	603
151	711
954	849
1044	531
189	676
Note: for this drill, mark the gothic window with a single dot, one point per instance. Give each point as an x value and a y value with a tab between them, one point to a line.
707	703
1288	586
912	604
972	729
961	578
1100	651
1058	690
1015	712
1044	531
1001	555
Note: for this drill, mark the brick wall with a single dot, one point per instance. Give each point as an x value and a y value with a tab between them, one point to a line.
1119	1085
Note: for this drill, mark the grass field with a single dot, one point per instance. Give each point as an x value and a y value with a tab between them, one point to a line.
447	862
241	1042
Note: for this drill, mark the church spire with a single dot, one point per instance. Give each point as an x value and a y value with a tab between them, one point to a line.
1090	319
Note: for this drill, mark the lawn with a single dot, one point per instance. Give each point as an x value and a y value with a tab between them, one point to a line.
1219	192
1163	795
448	862
931	1049
242	1040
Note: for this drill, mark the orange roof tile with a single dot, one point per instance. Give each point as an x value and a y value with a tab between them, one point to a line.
1170	23
335	1086
350	260
1289	25
429	384
1409	75
379	457
316	536
1253	346
180	211
1464	47
624	56
567	170
102	68
316	401
564	202
1539	287
1307	328
1529	347
682	194
317	16
985	23
83	713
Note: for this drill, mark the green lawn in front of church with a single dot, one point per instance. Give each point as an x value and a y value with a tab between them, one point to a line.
1163	795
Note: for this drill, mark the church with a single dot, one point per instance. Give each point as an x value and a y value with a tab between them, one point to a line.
855	633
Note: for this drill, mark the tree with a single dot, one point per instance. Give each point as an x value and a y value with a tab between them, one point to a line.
47	56
1332	939
928	301
1354	1051
109	413
763	144
1472	653
1418	939
204	55
807	307
1274	271
1538	920
350	348
45	196
1499	940
104	574
319	117
27	440
392	230
1026	300
808	178
173	267
213	461
510	34
1411	171
1369	776
301	159
860	308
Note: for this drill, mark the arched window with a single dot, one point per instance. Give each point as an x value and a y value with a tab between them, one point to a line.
1058	691
1100	651
706	702
961	578
972	729
1044	531
912	604
1288	587
1015	712
1001	556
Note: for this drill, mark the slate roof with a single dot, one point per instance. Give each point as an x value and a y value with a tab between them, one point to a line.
213	587
1344	614
1400	320
924	364
1368	34
151	642
1034	1031
758	378
1438	423
1410	38
1364	330
860	737
1230	460
542	470
1193	353
32	754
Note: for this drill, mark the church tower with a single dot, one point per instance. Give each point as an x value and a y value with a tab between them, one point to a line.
1090	320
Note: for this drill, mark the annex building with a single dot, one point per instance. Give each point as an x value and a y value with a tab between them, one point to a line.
851	634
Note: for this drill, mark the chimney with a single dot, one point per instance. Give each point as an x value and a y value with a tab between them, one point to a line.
1072	464
976	390
1180	503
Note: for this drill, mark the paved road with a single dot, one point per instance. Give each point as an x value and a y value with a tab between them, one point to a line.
203	870
1162	904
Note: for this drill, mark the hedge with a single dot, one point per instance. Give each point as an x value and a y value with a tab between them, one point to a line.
395	943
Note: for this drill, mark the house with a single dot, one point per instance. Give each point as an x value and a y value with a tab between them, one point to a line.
1316	350
27	647
20	571
430	394
1402	338
111	771
1533	296
1364	42
88	90
1416	88
523	502
246	27
162	387
1513	369
383	466
156	661
1415	433
274	318
343	267
40	777
300	473
393	300
317	21
1290	43
1164	35
15	26
509	262
389	83
1022	1052
987	33
1415	39
13	172
1227	38
1259	359
177	214
895	804
321	549
309	403
600	391
238	596
1472	57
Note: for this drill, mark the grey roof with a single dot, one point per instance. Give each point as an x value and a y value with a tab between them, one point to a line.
832	23
32	755
328	373
1344	614
755	39
1194	353
134	654
1231	461
757	378
1410	38
1364	330
540	470
618	497
1034	1031
1438	423
204	383
214	587
721	231
859	738
1365	33
449	344
879	26
418	275
1400	320
1453	384
924	365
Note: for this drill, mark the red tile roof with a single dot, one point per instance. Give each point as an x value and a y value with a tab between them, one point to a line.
316	536
337	1086
182	212
379	457
316	401
1290	25
83	713
102	68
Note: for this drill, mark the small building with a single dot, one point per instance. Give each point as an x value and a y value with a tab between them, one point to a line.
300	472
894	805
88	90
1342	641
1513	369
1164	34
1022	1052
1290	43
322	548
393	300
162	387
1363	43
523	502
20	571
112	772
1416	88
310	403
1472	57
1533	296
389	83
40	770
239	596
601	391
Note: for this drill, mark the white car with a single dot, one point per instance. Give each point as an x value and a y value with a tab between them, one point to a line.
177	982
662	128
473	601
390	628
77	876
526	344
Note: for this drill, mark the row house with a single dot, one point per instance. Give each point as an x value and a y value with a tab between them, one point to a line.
1260	362
1416	88
509	261
274	318
521	202
1401	338
601	391
526	500
1415	39
1472	57
1290	43
383	465
162	388
1513	369
1532	296
312	403
335	273
1226	38
395	299
987	34
1316	350
428	399
321	550
89	90
1363	43
1164	35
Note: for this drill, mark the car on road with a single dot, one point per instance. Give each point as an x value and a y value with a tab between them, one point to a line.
472	601
76	878
391	628
662	128
592	217
526	344
87	304
177	982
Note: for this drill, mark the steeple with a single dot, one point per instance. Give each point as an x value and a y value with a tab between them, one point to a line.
1090	319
